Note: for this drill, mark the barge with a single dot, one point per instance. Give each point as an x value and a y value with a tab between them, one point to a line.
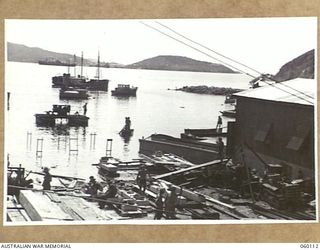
60	115
124	90
194	151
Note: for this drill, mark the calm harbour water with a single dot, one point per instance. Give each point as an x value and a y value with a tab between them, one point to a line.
155	110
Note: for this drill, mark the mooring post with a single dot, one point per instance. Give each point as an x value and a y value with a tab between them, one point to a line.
109	148
90	140
94	140
71	149
29	140
8	100
39	149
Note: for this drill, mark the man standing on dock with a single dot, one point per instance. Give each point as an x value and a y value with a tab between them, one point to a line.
219	123
171	203
159	205
142	178
85	108
93	187
220	148
47	179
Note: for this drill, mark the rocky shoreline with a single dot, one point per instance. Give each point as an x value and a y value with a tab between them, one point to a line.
203	89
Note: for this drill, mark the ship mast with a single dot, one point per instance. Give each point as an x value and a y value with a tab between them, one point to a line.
98	69
81	64
75	67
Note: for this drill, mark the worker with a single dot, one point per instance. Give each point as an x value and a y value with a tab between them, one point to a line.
110	193
220	148
127	123
85	108
171	203
47	179
159	205
142	178
93	186
219	123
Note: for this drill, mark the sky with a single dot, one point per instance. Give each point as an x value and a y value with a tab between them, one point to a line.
264	44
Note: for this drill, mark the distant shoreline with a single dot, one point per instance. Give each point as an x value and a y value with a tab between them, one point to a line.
113	67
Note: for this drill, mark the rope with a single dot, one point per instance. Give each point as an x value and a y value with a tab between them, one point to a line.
226	57
202	52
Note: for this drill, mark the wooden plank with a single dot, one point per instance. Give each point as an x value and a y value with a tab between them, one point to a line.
39	207
207	164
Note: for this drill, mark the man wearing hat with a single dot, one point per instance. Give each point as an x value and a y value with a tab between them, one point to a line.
171	202
47	179
159	205
142	178
93	186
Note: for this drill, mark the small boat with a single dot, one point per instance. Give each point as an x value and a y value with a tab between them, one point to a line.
205	132
126	133
60	115
229	113
124	90
229	100
71	93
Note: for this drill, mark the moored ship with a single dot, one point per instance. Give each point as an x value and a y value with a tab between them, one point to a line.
56	62
124	90
60	115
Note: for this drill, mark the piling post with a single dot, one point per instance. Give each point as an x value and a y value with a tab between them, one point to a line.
76	148
39	148
109	148
29	140
94	140
8	100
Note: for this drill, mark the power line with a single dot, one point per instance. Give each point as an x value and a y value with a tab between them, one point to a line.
297	90
188	45
202	52
226	57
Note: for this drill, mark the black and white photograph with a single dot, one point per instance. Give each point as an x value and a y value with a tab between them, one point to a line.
160	121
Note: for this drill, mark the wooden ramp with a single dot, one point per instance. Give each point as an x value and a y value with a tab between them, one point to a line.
207	164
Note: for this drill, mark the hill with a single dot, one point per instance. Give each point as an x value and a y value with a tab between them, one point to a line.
22	53
302	66
179	63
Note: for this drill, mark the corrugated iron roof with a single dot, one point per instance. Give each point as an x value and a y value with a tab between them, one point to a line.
299	90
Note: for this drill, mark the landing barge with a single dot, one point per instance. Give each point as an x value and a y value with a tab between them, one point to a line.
60	115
